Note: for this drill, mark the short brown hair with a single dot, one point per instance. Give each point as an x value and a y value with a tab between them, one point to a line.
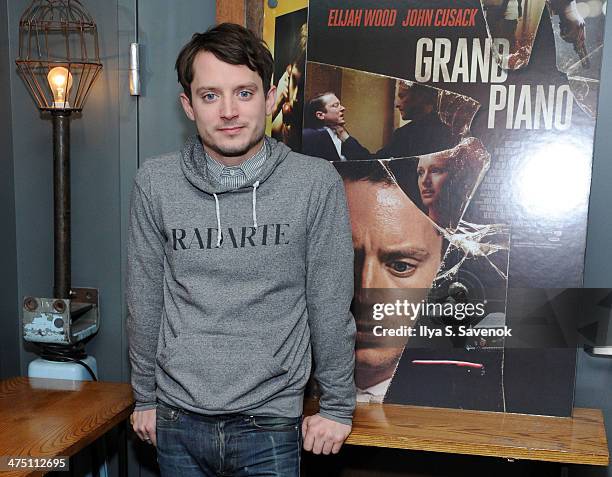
230	43
317	103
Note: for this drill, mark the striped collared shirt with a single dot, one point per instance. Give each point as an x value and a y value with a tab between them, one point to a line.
236	176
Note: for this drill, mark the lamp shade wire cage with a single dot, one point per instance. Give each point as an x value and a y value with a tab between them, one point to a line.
59	56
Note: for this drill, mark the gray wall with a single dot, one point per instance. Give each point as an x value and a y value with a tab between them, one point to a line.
594	375
32	167
9	316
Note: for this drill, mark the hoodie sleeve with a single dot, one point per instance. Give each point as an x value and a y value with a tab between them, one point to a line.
329	291
145	275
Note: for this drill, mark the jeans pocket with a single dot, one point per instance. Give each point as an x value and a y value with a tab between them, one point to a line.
272	423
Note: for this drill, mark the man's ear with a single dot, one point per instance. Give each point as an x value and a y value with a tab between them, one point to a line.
270	100
186	103
320	115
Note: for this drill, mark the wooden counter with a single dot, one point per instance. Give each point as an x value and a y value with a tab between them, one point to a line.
50	417
580	439
55	417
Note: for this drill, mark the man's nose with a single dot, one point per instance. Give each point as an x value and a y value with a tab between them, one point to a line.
228	108
369	274
426	178
342	108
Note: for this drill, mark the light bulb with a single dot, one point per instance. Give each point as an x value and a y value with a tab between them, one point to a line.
60	81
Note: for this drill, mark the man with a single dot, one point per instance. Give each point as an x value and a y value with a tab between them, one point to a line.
396	247
288	108
503	18
239	266
326	114
425	133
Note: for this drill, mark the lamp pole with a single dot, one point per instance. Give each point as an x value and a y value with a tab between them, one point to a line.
61	203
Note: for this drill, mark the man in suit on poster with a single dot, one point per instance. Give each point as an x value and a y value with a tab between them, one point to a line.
425	133
326	113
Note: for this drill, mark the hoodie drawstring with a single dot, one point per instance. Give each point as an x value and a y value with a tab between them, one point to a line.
255	186
218	221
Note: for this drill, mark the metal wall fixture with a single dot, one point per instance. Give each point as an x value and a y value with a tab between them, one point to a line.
134	69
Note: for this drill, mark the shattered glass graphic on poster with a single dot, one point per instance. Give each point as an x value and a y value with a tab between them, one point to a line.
516	21
463	131
578	36
463	371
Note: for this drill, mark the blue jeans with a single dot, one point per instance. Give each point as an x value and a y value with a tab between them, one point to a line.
190	444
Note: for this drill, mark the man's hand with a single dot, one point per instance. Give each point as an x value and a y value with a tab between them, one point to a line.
572	26
322	435
282	92
341	132
143	423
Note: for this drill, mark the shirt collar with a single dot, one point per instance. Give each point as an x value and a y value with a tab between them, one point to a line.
375	393
337	142
248	169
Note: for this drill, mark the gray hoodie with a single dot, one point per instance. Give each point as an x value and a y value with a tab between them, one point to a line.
230	292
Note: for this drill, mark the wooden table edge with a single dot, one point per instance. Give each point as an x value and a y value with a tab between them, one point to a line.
591	417
125	407
505	452
100	431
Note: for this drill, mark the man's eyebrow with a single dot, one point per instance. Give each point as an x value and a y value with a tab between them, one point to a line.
210	89
403	252
246	85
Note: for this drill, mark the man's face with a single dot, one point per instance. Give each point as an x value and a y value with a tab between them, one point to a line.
411	105
334	111
396	246
229	106
432	173
402	102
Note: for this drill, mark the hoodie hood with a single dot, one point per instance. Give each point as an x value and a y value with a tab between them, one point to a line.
193	165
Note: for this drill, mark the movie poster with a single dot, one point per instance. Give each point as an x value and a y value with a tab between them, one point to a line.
463	131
